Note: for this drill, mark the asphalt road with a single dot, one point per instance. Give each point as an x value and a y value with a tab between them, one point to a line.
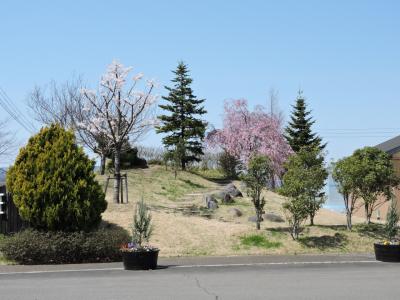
357	279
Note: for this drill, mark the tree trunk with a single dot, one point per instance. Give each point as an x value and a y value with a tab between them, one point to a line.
117	175
348	219
258	221
273	183
369	219
367	214
102	164
293	232
183	164
311	220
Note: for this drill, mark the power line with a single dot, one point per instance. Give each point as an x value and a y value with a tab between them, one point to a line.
12	114
359	129
361	133
7	104
17	111
372	132
358	136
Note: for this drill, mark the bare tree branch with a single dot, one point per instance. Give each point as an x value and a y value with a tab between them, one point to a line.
54	103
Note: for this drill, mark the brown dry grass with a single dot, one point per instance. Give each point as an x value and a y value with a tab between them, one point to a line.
180	234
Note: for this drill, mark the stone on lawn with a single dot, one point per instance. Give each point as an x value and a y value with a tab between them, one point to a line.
227	199
273	218
235	212
253	219
232	190
211	202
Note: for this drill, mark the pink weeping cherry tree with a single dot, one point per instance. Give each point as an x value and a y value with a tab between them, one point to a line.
118	111
246	133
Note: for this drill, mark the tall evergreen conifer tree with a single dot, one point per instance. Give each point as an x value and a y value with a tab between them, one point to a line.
299	133
183	125
307	165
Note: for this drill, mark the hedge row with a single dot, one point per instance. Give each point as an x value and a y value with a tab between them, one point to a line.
38	247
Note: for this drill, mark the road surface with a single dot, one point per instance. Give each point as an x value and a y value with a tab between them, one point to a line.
230	278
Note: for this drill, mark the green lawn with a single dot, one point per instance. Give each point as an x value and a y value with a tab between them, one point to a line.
259	241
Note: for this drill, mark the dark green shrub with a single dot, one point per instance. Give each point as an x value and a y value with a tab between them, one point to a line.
129	160
53	183
229	165
391	221
39	247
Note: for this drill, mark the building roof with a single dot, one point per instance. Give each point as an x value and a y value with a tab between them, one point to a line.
391	146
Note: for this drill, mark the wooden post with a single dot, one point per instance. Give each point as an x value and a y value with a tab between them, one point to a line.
122	188
123	177
126	187
108	180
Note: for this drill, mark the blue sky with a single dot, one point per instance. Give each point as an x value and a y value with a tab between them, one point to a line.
345	55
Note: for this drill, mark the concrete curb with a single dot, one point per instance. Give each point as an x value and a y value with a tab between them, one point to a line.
192	262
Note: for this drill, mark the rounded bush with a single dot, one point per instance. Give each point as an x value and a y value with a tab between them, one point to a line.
129	159
39	247
53	183
229	165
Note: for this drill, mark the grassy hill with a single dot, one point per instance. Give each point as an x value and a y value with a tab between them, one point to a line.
184	227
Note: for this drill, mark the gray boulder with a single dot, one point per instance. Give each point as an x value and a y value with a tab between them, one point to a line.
212	205
273	218
232	190
235	212
227	199
211	202
252	219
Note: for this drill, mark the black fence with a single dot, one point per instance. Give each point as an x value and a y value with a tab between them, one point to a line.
10	221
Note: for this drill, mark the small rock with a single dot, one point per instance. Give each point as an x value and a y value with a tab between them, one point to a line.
227	199
211	202
253	219
232	190
209	198
273	218
235	212
212	205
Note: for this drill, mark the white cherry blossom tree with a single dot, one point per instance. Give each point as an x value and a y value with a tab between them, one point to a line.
118	111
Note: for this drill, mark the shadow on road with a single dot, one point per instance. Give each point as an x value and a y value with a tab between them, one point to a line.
163	267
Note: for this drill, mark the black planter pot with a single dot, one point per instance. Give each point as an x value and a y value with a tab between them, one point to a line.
140	260
387	253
